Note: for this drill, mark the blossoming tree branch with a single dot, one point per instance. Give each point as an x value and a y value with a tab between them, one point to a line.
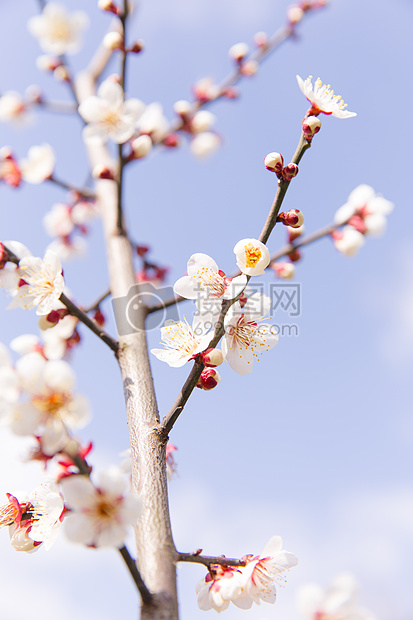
230	317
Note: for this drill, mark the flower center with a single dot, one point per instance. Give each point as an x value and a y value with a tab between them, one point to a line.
60	30
252	255
51	404
208	278
112	120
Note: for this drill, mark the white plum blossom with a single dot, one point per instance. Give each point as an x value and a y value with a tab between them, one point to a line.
204	144
181	342
39	164
367	206
202	121
204	279
339	601
57	339
253	257
41	283
245	337
10	274
58	222
109	116
323	99
153	122
52	408
13	108
9	383
44	510
261	573
58	31
68	248
100	516
348	240
221	586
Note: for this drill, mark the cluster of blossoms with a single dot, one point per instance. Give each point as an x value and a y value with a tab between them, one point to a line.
37	167
245	585
245	336
363	214
96	515
64	220
337	602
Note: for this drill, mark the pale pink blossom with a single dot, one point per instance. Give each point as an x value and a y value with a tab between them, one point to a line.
323	99
220	586
261	574
246	337
39	164
285	270
153	122
348	240
10	171
181	342
68	248
41	283
371	207
101	515
58	31
339	601
109	116
13	108
58	222
42	512
253	257
9	384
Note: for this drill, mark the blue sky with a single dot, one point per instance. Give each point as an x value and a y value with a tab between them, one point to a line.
315	445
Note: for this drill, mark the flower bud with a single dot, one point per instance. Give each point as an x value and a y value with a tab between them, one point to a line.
61	74
114	41
212	357
274	162
137	47
242	299
51	319
311	126
261	39
182	108
293	218
141	146
290	171
358	223
108	5
171	140
34	94
284	270
294	255
295	14
99	317
100	171
231	93
47	63
238	51
209	379
249	67
202	121
3	256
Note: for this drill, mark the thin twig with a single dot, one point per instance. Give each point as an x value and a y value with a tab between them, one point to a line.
207	560
97	303
60	107
121	159
83	191
146	596
92	325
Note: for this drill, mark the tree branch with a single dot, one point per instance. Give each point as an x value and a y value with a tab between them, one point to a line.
83	191
146	596
207	560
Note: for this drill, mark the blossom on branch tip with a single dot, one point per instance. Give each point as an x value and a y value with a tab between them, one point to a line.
220	586
209	379
238	51
39	164
364	204
253	257
285	270
100	516
245	337
323	99
293	218
58	31
348	240
13	108
109	116
204	144
274	162
181	342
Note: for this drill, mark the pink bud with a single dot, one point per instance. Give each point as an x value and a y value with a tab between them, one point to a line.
99	317
103	172
294	233
108	5
242	299
114	41
249	67
284	270
171	140
274	162
294	255
295	14
212	357
290	171
238	51
209	379
358	223
231	93
293	218
261	39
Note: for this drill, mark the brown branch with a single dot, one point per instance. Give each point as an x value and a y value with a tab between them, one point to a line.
136	576
83	191
97	303
207	560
